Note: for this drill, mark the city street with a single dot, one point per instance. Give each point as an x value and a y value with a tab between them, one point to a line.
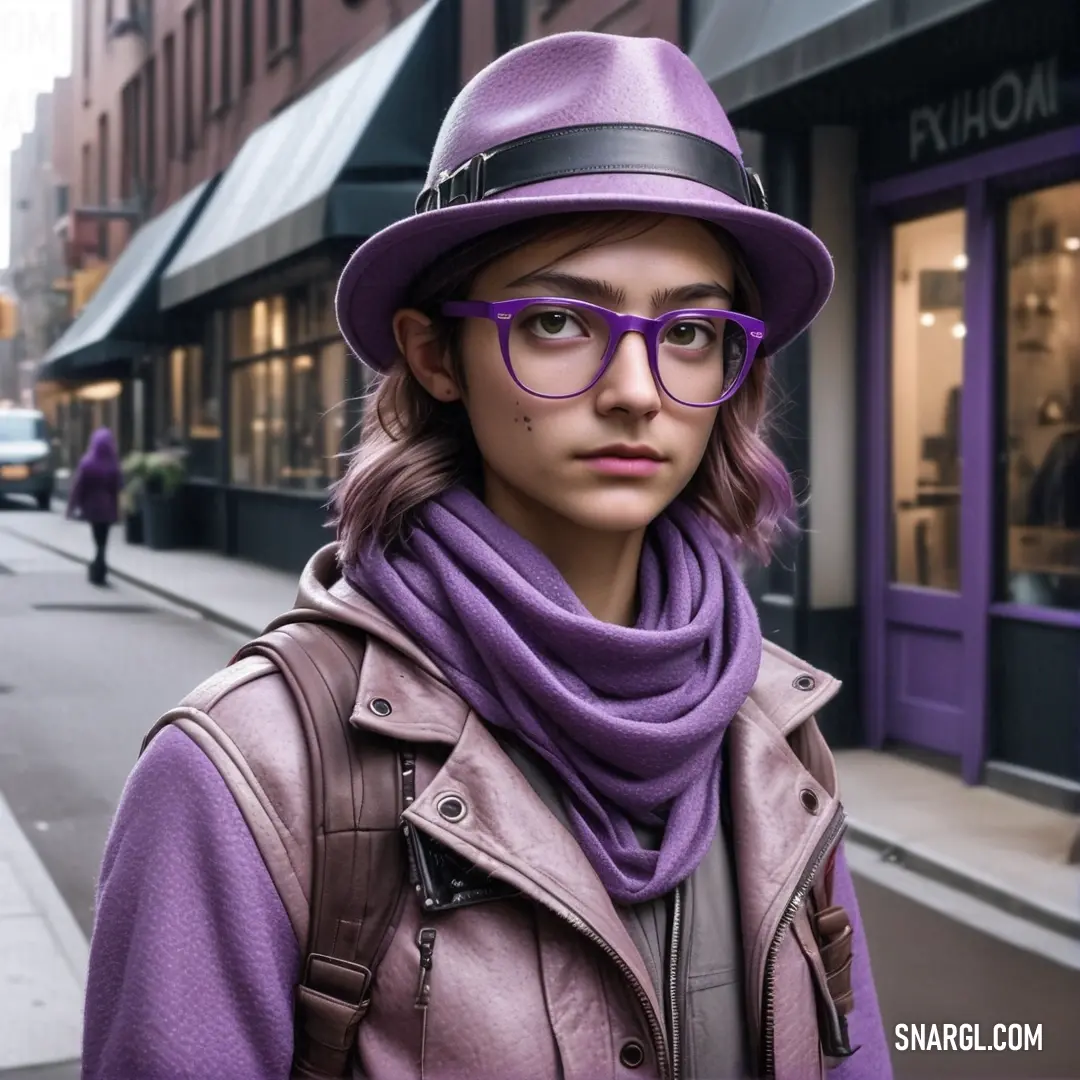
865	212
85	672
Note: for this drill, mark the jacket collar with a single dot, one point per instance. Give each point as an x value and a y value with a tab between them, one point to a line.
786	694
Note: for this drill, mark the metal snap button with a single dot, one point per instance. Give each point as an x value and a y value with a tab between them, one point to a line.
632	1054
450	807
380	706
809	800
805	682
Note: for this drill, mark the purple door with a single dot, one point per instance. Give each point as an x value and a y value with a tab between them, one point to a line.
924	617
925	653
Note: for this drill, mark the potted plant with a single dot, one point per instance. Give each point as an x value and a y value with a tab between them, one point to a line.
134	472
163	517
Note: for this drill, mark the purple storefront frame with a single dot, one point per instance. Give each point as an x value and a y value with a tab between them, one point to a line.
965	183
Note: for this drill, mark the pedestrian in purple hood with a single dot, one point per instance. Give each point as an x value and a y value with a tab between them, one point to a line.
95	495
623	827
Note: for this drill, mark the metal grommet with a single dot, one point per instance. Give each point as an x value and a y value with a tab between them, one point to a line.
805	682
451	807
632	1054
380	706
809	800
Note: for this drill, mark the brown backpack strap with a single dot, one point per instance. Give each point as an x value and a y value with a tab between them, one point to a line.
831	926
358	857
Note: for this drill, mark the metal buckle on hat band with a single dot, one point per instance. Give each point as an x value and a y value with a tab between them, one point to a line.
464	185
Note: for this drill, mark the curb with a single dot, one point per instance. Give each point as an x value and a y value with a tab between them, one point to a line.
910	857
209	614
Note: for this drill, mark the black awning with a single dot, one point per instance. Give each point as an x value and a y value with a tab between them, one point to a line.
122	317
345	160
750	51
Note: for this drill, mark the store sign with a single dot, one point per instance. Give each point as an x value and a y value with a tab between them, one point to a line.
1003	106
1016	100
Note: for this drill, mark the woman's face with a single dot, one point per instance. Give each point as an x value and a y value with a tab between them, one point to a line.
539	453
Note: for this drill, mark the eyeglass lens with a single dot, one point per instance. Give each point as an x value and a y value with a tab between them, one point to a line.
559	350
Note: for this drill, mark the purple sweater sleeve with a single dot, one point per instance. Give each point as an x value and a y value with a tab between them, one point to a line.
865	1027
193	959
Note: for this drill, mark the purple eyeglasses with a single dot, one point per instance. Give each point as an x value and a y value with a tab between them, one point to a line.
559	348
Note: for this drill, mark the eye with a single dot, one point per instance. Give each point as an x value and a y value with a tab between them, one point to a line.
690	335
554	324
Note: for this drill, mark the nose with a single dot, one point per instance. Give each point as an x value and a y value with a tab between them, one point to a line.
628	382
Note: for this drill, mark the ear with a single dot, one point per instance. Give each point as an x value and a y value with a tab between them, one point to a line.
425	354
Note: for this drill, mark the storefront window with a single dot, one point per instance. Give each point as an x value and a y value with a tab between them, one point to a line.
1043	398
167	416
927	379
288	409
260	328
205	397
177	364
316	417
248	423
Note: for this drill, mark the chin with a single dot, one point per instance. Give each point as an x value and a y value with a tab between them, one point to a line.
613	510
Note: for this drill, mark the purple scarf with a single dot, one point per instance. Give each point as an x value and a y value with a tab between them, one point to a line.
630	718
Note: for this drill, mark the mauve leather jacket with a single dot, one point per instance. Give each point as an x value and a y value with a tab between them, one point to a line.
555	989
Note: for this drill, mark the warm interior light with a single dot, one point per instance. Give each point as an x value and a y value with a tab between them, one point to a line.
959	330
101	391
1072	243
927	318
960	262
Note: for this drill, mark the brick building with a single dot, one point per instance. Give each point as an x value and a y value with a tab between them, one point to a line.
41	170
166	93
229	154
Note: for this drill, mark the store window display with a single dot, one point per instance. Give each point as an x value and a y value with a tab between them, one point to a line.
927	379
288	391
1042	423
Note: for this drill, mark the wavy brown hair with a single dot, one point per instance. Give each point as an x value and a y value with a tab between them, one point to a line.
412	447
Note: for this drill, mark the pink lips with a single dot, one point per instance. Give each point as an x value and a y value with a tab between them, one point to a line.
623	466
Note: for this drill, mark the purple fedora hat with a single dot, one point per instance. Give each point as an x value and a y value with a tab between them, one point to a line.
577	122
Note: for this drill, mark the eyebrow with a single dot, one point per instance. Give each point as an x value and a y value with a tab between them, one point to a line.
585	288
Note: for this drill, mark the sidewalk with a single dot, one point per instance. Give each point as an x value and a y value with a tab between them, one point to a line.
43	961
240	595
984	857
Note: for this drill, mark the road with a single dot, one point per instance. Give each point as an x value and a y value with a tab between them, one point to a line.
84	673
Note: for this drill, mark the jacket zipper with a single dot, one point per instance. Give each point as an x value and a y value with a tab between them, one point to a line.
656	1029
828	842
676	935
425	942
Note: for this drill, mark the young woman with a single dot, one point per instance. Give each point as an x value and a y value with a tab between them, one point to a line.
95	495
562	465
